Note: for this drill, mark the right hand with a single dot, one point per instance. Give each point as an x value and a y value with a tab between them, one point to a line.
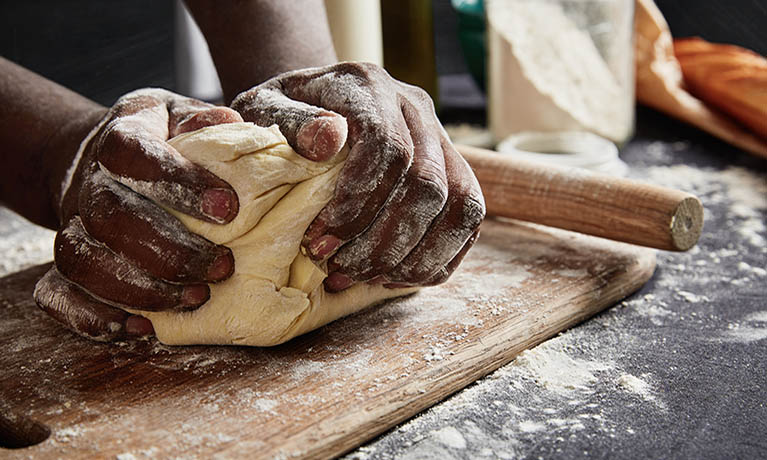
406	207
115	247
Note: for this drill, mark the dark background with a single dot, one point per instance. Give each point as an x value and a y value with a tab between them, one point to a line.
103	49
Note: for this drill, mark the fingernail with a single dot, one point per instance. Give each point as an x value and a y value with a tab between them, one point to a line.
218	204
317	229
322	137
323	246
221	268
195	295
138	326
337	282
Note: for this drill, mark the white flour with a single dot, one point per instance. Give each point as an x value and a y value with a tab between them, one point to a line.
550	366
450	437
636	385
22	244
750	329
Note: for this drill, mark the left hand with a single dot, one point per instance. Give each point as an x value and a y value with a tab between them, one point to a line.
407	206
117	248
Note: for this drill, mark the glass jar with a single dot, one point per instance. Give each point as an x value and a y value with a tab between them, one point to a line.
561	65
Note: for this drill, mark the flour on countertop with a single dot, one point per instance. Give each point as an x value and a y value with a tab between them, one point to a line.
749	329
22	244
449	436
636	385
550	366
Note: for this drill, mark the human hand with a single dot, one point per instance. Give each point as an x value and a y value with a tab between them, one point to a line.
115	247
407	207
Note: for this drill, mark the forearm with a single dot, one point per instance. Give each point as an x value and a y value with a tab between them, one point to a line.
251	41
41	126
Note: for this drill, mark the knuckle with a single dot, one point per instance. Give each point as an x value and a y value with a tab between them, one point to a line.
472	211
366	72
112	139
361	68
244	99
396	148
420	97
257	103
134	101
431	192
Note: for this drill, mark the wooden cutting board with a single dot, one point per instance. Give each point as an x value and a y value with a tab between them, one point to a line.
319	395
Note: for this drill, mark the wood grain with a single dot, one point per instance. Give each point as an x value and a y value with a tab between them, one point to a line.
321	394
594	204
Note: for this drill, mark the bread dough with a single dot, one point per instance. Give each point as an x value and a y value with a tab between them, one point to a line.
276	293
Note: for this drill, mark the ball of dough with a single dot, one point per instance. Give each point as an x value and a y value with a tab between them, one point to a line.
276	293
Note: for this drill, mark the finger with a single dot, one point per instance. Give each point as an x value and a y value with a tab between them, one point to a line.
133	150
381	150
81	313
142	232
364	186
406	216
445	272
112	279
450	231
315	133
186	114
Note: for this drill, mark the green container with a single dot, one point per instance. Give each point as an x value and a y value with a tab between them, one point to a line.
471	34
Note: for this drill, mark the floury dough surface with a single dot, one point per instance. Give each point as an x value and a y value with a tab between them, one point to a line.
275	293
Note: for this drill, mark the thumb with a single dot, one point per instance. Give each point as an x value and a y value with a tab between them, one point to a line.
314	133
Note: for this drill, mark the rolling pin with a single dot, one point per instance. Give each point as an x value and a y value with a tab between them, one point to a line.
595	204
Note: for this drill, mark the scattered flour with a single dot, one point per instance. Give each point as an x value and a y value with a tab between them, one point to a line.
450	436
692	298
307	368
22	244
551	367
636	385
68	433
529	426
264	404
750	329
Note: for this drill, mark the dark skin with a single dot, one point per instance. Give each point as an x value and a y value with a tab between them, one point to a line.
405	211
114	247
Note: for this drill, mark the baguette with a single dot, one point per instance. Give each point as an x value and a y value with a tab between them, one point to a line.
730	78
